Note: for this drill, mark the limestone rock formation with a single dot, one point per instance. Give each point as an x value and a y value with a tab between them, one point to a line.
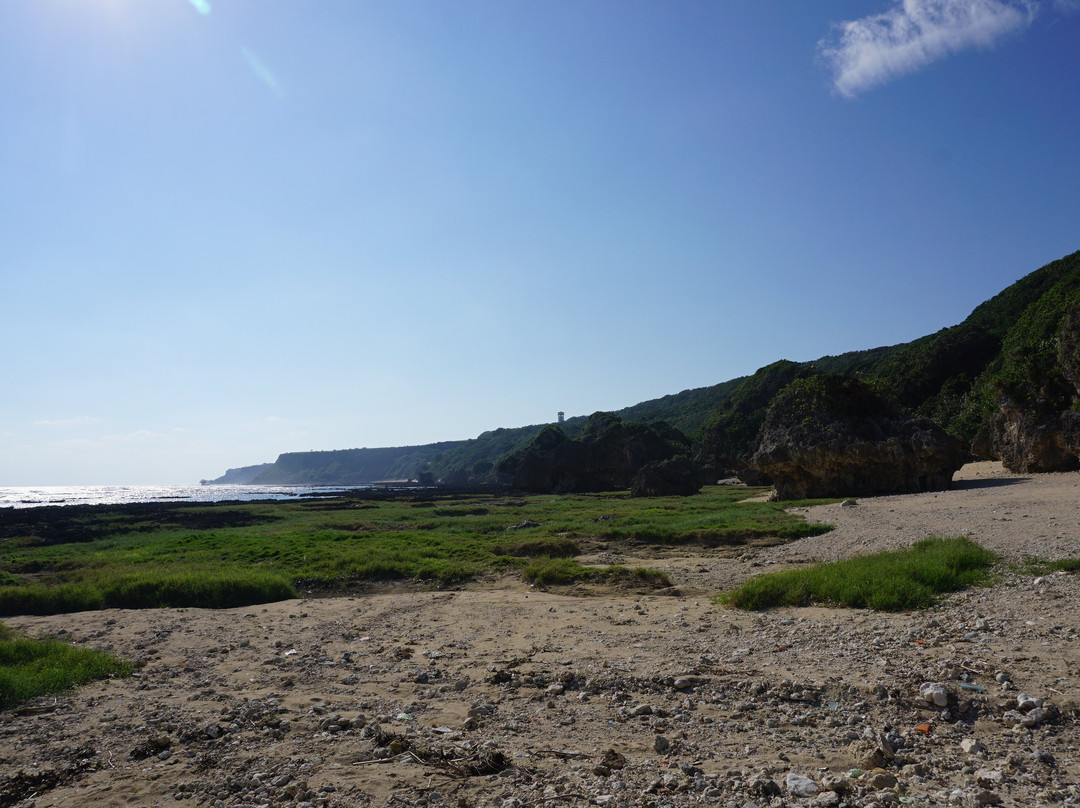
606	456
1031	442
832	436
1037	424
666	478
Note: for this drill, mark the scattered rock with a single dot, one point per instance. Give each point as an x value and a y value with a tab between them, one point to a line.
934	693
971	746
799	785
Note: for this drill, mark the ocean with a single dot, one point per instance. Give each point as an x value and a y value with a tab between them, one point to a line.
35	496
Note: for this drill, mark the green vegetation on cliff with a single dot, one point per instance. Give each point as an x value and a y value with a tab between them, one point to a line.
1013	345
1039	363
1009	345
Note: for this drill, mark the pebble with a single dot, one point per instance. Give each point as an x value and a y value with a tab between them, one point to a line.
799	785
934	693
1024	702
881	779
826	799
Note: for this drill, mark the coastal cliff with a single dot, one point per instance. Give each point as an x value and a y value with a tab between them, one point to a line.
1003	383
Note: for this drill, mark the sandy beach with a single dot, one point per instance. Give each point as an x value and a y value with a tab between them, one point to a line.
497	694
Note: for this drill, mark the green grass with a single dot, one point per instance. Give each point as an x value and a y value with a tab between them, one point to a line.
1065	565
562	571
62	560
1040	566
151	588
891	581
30	668
553	547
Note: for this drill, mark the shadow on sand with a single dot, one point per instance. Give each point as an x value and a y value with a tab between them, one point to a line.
993	482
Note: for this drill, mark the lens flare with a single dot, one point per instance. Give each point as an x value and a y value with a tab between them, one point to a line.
262	72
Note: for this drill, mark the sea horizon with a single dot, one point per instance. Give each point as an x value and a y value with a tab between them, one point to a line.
34	496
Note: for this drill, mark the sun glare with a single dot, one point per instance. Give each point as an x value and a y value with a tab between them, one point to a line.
118	9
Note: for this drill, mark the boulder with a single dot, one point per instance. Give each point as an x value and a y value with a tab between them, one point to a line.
1029	442
666	478
829	436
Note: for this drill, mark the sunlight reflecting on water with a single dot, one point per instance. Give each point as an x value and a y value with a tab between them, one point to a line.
32	496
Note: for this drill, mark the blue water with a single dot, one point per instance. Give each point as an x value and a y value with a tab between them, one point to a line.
34	496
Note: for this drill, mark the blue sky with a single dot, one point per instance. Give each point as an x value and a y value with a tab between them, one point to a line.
235	228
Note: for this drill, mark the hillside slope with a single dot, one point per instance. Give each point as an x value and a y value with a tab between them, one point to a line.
957	376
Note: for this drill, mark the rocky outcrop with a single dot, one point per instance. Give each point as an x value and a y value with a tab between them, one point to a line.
1037	389
606	456
1028	443
667	478
831	436
239	476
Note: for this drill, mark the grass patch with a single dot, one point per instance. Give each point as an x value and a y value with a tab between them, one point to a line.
475	511
890	581
1065	565
545	572
55	561
30	668
150	589
553	547
1040	566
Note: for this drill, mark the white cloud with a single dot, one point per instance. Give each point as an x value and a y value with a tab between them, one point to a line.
913	34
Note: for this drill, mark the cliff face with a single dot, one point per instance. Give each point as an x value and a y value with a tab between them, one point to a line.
352	466
832	436
244	475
